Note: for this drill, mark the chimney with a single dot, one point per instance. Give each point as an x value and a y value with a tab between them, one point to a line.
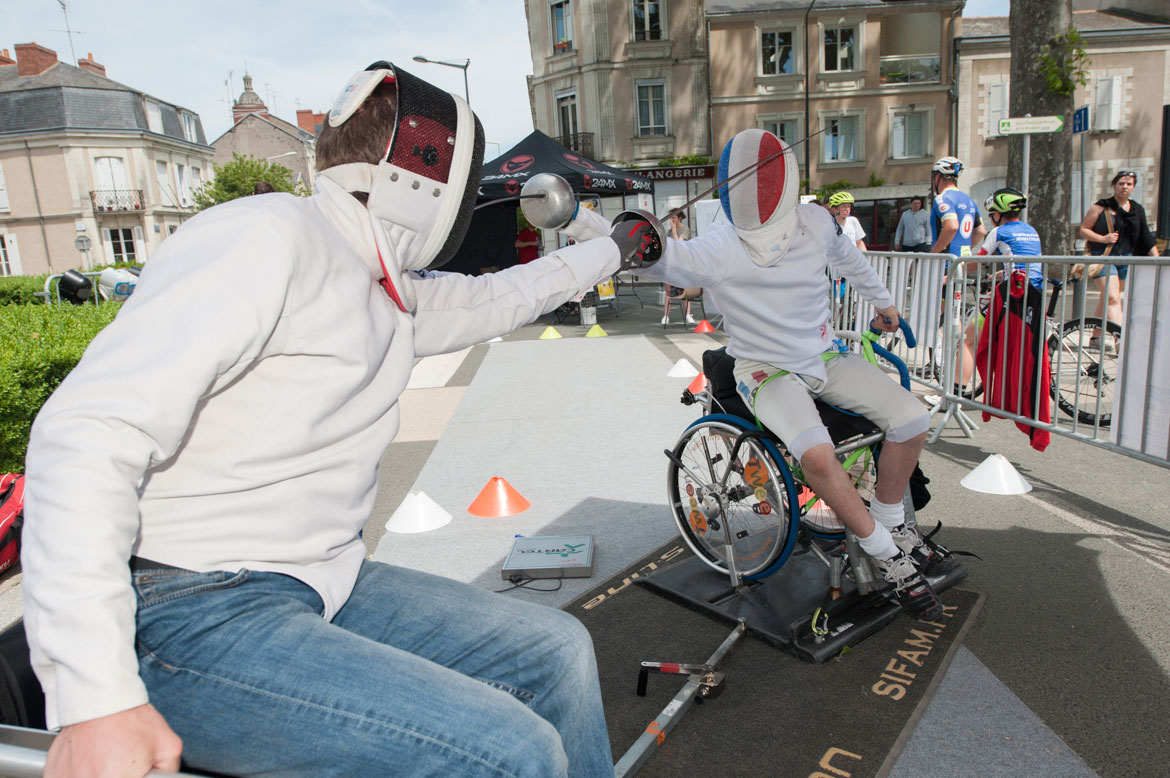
310	121
91	66
32	59
5	59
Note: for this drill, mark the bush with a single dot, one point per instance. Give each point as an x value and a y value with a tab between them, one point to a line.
39	345
21	290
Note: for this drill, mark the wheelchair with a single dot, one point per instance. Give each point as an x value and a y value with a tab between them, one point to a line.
742	506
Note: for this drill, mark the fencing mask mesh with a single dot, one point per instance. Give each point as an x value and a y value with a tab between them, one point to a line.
761	205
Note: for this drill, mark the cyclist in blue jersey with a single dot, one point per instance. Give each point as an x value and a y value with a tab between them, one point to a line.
955	223
1008	237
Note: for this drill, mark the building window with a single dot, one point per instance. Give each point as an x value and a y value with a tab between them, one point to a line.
648	24
840	47
121	244
910	44
110	174
562	25
184	185
786	128
910	133
4	208
997	107
154	117
777	57
843	141
651	109
567	113
166	194
189	131
9	256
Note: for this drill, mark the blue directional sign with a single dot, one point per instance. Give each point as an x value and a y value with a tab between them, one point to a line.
1081	120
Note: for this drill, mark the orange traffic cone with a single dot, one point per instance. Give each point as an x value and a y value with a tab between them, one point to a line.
704	326
699	384
498	499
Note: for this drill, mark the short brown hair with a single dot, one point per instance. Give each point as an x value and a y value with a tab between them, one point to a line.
364	136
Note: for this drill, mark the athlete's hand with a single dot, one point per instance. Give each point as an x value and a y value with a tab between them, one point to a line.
635	241
887	319
127	744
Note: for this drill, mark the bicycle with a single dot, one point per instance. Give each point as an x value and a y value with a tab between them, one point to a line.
741	504
1083	363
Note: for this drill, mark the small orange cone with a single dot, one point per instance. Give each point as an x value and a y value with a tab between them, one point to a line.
498	499
699	384
704	326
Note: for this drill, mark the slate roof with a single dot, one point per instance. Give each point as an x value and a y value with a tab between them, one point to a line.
68	97
1085	21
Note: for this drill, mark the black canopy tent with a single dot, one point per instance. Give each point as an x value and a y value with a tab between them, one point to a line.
491	238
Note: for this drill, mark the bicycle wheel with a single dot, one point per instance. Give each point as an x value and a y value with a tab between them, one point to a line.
744	503
1083	373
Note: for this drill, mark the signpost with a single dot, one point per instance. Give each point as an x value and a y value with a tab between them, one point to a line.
1080	127
1028	125
82	243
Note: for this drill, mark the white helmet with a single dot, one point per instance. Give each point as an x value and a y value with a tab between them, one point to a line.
948	166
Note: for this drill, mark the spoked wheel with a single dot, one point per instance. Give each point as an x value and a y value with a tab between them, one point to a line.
744	502
822	519
1084	370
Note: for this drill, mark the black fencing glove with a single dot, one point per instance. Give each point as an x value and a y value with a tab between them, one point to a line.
637	243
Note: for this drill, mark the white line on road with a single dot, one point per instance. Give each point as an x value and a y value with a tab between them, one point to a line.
1157	554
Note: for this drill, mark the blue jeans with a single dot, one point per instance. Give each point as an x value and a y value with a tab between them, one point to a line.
417	675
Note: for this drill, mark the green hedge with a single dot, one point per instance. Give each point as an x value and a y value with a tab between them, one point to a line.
21	290
39	345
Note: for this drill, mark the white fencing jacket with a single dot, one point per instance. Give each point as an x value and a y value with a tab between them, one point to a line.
777	314
233	415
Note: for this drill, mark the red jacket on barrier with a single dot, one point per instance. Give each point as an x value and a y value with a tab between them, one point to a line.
1009	346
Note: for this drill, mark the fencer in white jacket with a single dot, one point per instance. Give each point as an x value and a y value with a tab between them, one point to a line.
231	418
765	269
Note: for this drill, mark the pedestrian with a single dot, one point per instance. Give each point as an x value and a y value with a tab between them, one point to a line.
841	206
527	243
913	233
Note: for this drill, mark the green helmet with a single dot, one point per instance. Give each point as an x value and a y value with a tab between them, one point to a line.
840	197
1006	200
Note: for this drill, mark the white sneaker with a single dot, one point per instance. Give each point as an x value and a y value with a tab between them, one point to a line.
665	320
910	589
691	319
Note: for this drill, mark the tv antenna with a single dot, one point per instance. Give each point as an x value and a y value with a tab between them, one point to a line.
68	31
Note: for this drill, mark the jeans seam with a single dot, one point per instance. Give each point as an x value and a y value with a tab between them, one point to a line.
217	586
524	695
150	655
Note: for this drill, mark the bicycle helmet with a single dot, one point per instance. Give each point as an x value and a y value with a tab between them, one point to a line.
948	166
1006	200
839	198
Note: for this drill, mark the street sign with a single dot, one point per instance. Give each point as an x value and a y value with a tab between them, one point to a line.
1081	120
1027	125
82	243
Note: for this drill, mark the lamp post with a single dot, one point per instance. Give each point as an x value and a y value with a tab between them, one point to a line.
463	67
278	156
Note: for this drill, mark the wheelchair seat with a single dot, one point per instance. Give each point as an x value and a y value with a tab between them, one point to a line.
718	366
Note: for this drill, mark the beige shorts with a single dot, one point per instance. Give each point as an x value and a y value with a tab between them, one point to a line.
785	404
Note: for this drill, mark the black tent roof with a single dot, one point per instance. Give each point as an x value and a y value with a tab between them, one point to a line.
538	153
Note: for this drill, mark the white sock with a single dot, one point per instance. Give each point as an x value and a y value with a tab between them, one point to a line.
889	515
880	544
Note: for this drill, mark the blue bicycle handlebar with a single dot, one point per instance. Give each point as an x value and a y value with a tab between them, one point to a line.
911	341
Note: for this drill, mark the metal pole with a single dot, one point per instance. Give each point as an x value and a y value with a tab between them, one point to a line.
466	93
1027	159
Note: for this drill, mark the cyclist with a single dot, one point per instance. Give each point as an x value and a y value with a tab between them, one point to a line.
1008	237
955	223
766	270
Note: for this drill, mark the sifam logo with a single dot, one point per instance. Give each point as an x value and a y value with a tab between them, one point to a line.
580	162
517	163
512	186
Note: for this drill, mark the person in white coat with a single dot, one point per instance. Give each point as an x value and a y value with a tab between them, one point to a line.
195	581
766	271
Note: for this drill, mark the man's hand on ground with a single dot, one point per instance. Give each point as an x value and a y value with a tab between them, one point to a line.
128	744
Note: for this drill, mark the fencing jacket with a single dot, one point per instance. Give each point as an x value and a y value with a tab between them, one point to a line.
233	415
777	314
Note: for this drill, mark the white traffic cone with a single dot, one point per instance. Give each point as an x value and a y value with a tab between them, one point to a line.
683	369
418	513
995	475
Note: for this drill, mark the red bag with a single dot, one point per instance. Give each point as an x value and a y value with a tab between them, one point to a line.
11	518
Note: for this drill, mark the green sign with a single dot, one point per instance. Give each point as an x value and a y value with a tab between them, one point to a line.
1027	125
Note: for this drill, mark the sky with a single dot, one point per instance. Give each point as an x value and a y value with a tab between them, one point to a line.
300	53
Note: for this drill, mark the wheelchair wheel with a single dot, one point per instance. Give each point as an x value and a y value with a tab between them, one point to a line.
743	502
822	519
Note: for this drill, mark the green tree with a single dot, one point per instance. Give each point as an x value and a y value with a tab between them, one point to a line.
236	179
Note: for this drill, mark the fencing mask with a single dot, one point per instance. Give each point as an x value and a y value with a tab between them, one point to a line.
761	205
421	195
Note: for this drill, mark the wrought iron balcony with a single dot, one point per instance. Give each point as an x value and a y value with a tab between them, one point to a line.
580	142
116	200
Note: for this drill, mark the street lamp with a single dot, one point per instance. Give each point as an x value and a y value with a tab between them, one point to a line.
463	67
278	156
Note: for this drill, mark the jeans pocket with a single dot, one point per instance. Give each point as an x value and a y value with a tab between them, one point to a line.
153	587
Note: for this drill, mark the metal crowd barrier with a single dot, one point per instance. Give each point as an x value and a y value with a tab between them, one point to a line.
23	752
1105	378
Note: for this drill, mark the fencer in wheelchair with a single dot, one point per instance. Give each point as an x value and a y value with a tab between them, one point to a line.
765	268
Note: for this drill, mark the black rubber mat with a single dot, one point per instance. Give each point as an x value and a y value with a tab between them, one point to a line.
776	715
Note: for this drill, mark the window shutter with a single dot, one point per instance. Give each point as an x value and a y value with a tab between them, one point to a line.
13	255
1107	106
3	192
898	133
997	108
108	244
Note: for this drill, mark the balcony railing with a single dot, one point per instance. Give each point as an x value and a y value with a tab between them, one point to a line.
910	70
116	200
580	142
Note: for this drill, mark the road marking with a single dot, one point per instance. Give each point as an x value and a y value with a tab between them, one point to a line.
1157	554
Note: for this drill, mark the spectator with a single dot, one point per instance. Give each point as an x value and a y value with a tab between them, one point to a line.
1116	226
841	206
678	231
262	187
527	243
913	233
